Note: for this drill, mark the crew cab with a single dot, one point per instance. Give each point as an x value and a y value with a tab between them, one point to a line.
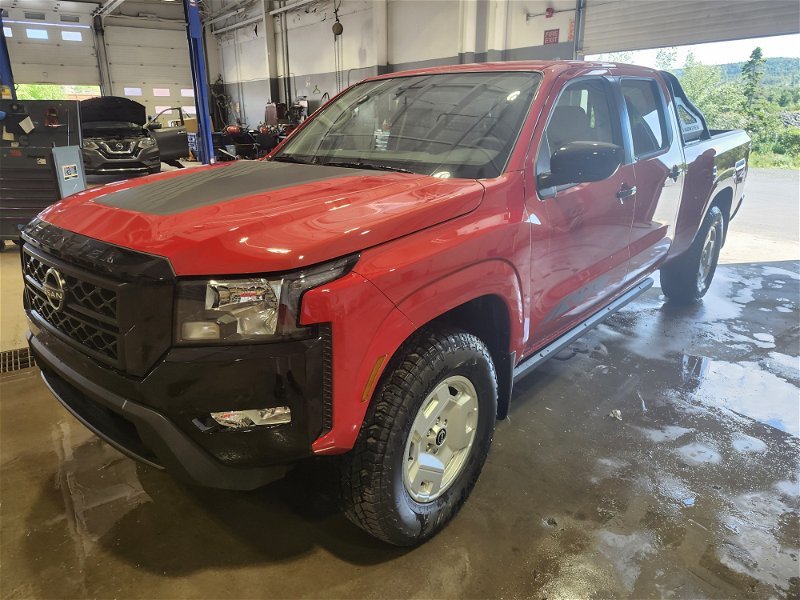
374	288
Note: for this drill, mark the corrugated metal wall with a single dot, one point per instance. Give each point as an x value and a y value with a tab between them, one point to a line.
143	60
616	25
56	48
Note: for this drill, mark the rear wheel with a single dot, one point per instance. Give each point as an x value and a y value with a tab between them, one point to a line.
687	278
424	439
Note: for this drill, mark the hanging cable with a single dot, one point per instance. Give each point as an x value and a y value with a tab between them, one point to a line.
338	50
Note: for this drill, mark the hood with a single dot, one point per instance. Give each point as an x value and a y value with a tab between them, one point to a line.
260	216
112	108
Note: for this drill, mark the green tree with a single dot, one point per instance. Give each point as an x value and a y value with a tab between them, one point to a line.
722	103
752	73
39	91
763	123
617	57
666	57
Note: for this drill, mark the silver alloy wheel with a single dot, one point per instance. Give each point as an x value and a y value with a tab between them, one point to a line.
441	438
707	258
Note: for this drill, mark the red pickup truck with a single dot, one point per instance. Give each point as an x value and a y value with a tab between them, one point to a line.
375	287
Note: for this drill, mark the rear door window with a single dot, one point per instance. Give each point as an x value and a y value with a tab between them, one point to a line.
646	116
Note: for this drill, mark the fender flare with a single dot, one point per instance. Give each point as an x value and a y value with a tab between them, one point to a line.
428	302
493	277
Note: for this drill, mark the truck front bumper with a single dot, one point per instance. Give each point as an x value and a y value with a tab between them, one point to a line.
162	419
141	163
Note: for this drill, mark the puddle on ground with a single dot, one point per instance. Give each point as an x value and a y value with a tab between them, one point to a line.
698	454
746	389
693	370
669	433
748	444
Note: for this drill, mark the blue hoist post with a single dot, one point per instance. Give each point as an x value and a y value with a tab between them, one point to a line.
194	31
7	91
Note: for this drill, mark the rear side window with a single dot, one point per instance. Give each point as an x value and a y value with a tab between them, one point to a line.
646	115
691	125
582	114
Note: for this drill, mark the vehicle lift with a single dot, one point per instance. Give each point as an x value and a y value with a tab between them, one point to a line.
194	32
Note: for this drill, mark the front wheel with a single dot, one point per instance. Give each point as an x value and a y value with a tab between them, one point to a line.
424	439
688	277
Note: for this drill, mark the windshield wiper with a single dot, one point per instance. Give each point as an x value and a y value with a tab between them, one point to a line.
289	159
363	165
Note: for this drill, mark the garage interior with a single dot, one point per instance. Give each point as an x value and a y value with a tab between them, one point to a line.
657	456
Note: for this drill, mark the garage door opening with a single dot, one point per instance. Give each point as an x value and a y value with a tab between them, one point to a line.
51	91
750	84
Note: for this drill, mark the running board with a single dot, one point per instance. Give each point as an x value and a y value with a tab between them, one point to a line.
529	364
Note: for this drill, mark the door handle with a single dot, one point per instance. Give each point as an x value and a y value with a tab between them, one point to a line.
675	173
625	192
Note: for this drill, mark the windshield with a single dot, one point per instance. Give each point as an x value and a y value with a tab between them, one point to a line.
446	125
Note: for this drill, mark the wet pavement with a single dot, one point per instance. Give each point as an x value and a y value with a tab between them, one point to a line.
689	490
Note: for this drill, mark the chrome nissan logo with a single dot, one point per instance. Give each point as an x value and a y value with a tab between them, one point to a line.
54	288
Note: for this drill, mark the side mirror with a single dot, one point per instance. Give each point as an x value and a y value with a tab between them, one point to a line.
582	162
153	125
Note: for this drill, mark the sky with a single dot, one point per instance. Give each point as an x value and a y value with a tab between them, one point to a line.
718	53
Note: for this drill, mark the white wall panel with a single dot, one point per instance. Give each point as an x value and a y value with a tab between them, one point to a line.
422	30
616	25
243	50
525	31
311	39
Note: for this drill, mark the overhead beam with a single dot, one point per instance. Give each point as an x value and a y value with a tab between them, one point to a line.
239	25
107	7
229	11
288	7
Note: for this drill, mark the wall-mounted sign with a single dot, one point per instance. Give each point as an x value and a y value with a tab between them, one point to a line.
551	36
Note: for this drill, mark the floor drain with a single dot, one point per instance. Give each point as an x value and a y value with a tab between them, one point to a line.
14	360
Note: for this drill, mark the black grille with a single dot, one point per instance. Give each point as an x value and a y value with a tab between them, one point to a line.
89	313
118	148
93	297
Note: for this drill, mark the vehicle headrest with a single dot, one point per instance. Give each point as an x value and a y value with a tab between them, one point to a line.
568	124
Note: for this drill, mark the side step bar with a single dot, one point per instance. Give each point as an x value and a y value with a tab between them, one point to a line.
556	346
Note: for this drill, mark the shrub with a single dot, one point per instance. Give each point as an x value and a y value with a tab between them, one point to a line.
788	142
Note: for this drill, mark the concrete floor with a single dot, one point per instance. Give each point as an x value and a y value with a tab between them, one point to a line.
693	493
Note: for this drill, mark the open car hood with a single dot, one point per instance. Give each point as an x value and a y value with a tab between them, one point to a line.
262	216
112	108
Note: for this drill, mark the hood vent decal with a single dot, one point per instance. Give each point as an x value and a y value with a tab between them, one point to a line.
190	190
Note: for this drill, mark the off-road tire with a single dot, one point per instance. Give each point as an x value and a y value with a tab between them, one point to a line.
680	279
373	492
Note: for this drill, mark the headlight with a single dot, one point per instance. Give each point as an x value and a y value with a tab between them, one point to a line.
251	309
89	145
147	142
